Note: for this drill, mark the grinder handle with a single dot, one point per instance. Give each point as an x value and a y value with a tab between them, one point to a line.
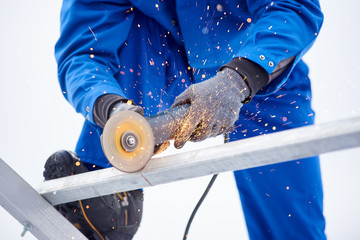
165	124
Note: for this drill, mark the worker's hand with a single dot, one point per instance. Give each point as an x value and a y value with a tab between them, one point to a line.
109	104
215	106
126	106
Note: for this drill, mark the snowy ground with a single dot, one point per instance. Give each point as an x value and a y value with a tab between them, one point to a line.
36	121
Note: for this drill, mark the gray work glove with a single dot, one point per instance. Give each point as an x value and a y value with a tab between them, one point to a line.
215	106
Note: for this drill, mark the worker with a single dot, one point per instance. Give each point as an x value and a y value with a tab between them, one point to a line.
238	63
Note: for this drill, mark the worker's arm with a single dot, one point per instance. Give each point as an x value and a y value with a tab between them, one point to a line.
282	31
87	52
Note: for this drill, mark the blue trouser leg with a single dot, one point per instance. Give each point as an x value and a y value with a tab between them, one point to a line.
283	201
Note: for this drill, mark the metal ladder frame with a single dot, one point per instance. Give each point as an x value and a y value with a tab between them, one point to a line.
248	153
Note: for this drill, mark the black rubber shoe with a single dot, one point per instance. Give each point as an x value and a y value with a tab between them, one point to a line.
63	163
111	217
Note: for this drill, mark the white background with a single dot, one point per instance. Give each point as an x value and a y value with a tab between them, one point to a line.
35	121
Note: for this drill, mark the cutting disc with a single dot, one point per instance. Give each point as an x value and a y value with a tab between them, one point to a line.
118	127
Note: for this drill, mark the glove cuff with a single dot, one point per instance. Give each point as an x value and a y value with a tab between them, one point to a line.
103	106
253	74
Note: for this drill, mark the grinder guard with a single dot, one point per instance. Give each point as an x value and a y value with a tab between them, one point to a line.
117	127
128	139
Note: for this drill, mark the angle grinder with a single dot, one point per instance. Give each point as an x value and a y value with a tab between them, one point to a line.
128	138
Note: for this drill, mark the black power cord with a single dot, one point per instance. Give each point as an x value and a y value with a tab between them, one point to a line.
226	140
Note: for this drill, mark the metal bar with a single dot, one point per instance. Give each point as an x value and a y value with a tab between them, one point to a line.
253	152
26	205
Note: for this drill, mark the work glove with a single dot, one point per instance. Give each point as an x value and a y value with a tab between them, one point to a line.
126	106
214	106
109	104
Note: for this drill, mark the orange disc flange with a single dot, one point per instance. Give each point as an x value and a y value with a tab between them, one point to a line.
123	126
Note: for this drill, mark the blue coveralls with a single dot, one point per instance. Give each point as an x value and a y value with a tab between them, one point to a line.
151	51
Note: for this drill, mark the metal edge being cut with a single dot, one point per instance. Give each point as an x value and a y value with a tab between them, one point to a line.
119	156
248	153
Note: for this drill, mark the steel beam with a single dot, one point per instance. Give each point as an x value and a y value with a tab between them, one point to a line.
252	152
36	214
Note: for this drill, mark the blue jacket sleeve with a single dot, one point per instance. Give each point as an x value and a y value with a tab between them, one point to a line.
91	34
280	30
